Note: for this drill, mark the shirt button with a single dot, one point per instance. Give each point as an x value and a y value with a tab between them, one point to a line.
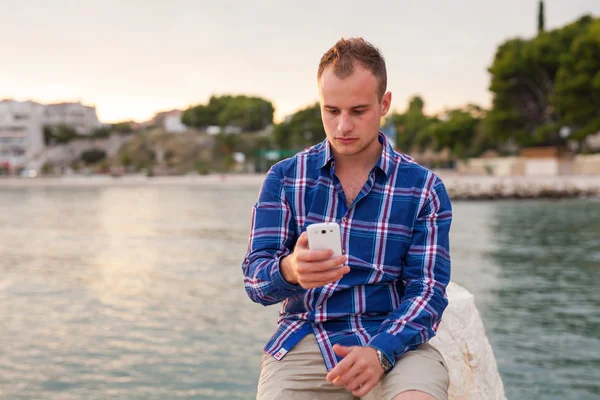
344	219
343	251
320	307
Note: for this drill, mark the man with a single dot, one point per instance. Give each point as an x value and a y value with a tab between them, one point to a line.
355	325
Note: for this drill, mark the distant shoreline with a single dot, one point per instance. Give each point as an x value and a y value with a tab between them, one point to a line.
460	187
132	180
463	187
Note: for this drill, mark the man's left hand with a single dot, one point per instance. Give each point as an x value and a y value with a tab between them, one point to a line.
359	371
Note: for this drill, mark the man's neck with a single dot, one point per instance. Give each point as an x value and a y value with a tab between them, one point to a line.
359	163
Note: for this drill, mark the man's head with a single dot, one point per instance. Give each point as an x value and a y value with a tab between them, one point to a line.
352	86
346	54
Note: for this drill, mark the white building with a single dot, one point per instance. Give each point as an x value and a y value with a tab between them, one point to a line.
21	131
593	141
22	127
227	130
547	161
81	118
170	121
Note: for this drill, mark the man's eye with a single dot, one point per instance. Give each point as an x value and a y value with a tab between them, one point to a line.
333	111
358	112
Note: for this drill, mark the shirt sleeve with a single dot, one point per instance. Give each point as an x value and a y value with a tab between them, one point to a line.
272	237
425	274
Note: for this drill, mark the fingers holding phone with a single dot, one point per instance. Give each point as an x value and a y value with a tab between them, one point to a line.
319	258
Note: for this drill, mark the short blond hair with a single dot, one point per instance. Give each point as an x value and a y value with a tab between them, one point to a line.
347	52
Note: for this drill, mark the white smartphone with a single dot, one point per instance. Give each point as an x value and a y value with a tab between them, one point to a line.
324	236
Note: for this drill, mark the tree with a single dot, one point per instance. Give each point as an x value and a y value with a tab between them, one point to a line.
122	127
47	168
524	74
460	131
126	159
199	116
303	129
225	145
100	133
93	156
58	134
411	126
577	96
247	113
541	17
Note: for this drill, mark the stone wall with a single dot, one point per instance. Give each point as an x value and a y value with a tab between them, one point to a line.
496	166
63	155
521	166
587	164
520	187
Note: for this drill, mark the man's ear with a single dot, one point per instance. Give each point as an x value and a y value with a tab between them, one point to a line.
386	102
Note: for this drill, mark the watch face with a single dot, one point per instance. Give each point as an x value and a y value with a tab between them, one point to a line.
385	363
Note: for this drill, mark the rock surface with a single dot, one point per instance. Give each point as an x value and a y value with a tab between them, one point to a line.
462	340
462	187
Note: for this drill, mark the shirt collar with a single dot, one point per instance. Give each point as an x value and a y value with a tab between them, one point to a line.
325	155
384	163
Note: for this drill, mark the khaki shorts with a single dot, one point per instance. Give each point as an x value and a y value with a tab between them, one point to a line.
301	375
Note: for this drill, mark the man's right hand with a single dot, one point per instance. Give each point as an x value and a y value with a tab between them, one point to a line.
312	268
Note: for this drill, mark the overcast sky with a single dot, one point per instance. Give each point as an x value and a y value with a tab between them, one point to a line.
131	58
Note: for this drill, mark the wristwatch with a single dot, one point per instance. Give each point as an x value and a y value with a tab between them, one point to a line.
383	360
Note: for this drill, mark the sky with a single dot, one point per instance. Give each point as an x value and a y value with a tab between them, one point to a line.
133	58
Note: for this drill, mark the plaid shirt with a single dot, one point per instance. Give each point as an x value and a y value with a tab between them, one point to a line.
396	237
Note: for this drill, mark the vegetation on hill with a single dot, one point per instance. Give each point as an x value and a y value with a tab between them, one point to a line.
546	92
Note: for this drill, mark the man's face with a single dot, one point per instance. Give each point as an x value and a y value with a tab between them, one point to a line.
351	110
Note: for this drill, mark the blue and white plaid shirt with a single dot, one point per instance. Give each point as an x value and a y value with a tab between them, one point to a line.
396	237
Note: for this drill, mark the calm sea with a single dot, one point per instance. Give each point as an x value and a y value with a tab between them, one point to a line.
136	293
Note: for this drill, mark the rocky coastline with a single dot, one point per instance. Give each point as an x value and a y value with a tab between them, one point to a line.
460	187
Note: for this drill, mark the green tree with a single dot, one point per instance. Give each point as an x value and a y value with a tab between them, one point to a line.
411	126
102	132
122	127
59	134
201	167
577	97
126	159
247	113
47	168
303	129
460	131
199	116
203	115
93	156
523	81
225	145
541	17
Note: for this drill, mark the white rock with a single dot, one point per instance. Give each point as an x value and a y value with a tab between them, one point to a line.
462	340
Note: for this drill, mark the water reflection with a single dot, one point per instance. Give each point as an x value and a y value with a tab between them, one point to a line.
546	323
127	293
471	242
136	293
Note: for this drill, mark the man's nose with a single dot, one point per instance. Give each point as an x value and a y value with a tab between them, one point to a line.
345	124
